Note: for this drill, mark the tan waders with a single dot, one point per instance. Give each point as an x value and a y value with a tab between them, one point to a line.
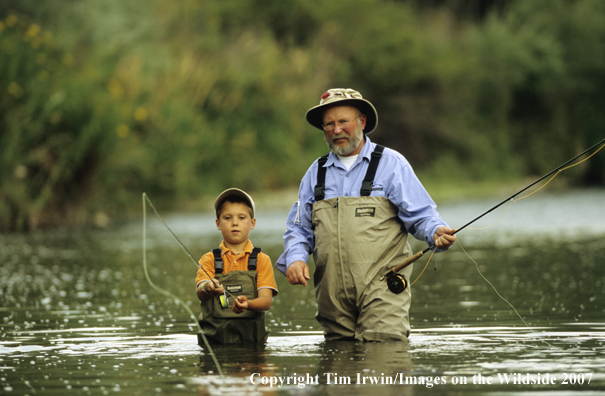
223	326
357	239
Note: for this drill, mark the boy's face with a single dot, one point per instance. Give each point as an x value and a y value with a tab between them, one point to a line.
235	223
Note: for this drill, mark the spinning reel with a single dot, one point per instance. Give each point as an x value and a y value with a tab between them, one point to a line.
396	282
224	300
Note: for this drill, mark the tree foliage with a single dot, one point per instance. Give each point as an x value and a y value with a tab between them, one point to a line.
102	100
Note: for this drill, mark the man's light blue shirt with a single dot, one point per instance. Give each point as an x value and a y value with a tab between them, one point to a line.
394	180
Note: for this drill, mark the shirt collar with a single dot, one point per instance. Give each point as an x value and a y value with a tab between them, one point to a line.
248	249
366	152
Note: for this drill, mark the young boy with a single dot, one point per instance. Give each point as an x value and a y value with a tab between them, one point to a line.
243	285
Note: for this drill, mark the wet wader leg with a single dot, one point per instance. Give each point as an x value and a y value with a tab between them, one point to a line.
384	315
337	320
334	330
334	287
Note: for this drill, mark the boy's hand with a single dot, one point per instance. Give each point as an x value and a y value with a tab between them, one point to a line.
212	289
240	304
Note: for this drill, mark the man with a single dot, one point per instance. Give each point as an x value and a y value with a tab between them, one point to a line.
355	209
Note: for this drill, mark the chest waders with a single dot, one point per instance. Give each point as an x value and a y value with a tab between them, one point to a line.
222	325
356	240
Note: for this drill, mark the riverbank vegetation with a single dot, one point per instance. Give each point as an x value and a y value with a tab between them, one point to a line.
103	100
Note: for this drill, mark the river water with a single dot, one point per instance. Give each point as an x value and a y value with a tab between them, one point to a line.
78	316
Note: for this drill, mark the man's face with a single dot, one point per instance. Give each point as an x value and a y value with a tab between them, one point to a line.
344	140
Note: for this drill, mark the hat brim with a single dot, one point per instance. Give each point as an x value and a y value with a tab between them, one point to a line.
314	115
237	192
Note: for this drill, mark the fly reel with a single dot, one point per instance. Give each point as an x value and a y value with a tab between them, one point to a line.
396	283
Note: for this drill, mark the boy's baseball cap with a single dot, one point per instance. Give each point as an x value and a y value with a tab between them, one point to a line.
231	192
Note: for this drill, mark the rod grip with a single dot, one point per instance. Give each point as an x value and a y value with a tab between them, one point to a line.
407	262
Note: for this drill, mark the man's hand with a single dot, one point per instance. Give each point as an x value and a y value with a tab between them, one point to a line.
443	239
298	273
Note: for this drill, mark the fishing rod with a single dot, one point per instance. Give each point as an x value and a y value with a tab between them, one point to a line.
166	292
397	283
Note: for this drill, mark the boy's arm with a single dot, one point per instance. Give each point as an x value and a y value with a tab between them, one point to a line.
207	289
206	268
259	304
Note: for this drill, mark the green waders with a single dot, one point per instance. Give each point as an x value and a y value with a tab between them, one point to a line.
357	239
222	325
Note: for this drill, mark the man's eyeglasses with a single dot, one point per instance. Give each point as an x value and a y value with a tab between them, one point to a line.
330	126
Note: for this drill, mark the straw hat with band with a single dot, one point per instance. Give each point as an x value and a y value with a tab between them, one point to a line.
231	192
343	97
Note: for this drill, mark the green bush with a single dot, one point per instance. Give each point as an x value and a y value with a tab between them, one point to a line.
184	99
53	130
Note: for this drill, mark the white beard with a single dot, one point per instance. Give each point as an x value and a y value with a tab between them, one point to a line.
354	142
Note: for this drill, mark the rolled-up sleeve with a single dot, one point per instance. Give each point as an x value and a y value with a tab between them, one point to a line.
417	210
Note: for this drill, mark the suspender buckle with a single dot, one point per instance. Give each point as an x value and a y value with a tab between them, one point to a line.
368	180
366	188
218	261
253	258
319	192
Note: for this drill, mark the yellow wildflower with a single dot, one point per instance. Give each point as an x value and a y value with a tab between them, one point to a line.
33	30
140	114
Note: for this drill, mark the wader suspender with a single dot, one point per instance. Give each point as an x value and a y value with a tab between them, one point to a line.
218	260
320	187
366	186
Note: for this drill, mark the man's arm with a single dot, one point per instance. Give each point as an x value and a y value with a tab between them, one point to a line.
298	238
417	209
